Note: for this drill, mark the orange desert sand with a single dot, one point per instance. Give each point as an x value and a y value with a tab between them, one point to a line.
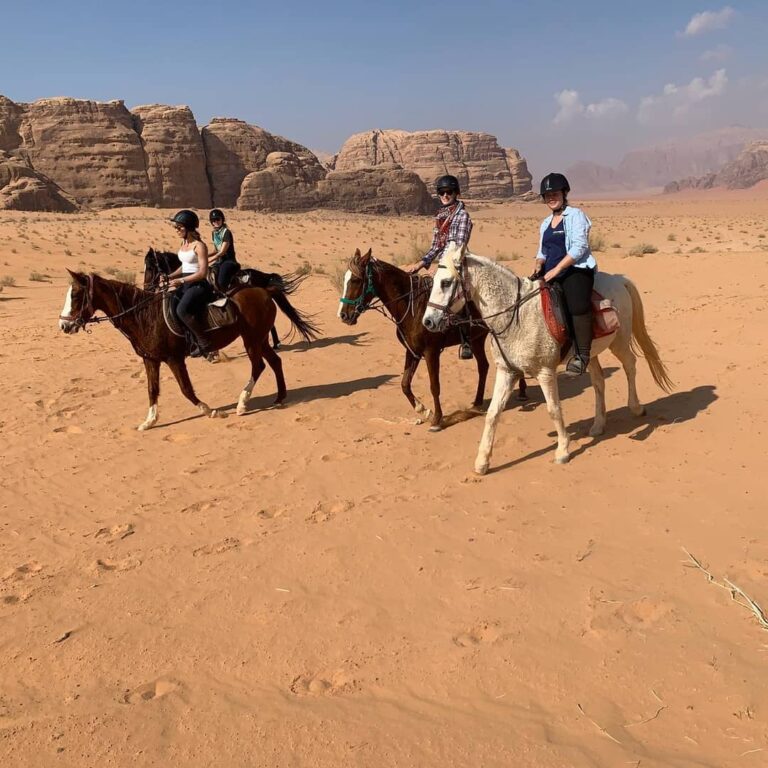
329	584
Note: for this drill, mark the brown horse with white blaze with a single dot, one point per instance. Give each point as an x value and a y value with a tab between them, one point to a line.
138	315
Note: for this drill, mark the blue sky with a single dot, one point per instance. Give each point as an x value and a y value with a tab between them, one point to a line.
561	81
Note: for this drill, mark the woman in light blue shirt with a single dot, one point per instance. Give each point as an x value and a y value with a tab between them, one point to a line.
564	256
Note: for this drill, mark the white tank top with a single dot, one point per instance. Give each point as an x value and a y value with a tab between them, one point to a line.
188	262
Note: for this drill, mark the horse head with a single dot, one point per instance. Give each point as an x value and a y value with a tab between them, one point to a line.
449	291
78	304
357	291
158	263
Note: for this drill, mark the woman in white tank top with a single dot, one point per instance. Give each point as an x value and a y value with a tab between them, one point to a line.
190	279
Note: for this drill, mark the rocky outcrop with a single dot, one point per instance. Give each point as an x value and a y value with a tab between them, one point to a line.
518	169
233	149
385	189
476	159
10	120
283	185
90	149
173	156
24	189
746	170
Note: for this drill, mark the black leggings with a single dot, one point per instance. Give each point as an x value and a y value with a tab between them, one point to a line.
192	299
577	287
225	271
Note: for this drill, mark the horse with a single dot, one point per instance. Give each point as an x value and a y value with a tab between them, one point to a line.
138	315
522	344
158	263
405	296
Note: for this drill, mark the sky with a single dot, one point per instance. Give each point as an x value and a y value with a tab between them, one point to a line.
560	81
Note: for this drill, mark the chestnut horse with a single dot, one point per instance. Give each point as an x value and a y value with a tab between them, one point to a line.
138	315
405	298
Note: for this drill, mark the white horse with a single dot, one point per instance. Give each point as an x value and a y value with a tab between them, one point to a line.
522	345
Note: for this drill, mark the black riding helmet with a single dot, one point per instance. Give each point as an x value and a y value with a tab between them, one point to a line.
187	219
447	184
216	215
554	182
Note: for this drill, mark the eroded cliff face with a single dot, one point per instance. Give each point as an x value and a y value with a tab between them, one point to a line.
747	169
476	159
24	189
174	157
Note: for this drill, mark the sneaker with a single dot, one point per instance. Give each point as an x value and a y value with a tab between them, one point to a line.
465	352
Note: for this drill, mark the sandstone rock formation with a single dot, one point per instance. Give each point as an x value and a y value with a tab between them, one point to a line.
233	149
746	170
476	159
10	120
385	189
283	185
90	149
518	169
173	156
24	189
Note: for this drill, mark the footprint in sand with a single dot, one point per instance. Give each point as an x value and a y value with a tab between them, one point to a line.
23	572
106	566
225	545
178	437
324	511
478	635
151	691
337	683
610	617
69	430
115	533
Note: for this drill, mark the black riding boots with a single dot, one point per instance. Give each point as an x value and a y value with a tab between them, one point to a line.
200	346
582	342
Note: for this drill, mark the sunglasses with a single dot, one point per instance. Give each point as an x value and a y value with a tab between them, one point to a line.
178	226
445	192
217	221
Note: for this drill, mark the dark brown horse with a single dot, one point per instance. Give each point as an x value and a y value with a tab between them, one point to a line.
138	315
405	298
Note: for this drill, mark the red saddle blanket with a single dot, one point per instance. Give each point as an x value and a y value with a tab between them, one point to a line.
605	318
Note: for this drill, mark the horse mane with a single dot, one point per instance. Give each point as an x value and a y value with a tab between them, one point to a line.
484	261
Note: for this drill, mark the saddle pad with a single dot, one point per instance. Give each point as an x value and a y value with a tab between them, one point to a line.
219	314
605	318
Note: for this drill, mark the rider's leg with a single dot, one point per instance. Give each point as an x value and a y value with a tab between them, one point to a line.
191	303
227	270
577	288
465	349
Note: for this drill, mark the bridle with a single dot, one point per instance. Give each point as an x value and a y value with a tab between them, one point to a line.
453	300
367	295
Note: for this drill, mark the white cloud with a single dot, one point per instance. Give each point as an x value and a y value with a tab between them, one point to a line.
706	21
571	107
718	54
676	100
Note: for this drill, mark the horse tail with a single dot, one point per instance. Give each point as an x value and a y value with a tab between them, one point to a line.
286	284
642	343
300	321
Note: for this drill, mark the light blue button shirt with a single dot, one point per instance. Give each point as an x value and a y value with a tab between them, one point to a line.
577	226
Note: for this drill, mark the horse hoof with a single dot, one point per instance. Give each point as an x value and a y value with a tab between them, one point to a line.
217	414
241	411
145	426
638	411
481	469
436	428
562	459
523	398
418	422
596	431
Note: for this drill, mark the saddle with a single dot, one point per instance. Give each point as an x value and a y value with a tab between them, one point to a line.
218	314
605	317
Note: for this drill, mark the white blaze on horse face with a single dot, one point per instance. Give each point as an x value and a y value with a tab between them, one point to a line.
67	311
347	278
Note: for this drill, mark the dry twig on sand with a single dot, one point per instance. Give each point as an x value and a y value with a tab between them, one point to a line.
736	592
599	727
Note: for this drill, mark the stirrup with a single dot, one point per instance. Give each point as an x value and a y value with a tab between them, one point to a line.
576	366
465	352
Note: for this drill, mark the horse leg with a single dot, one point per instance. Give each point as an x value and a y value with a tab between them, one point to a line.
432	356
629	362
409	370
276	364
548	383
522	390
152	367
502	389
254	352
478	349
598	384
179	369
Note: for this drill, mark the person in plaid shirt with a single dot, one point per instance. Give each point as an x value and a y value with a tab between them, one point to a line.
452	223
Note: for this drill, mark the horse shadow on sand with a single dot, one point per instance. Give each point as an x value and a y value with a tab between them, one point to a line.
350	339
676	408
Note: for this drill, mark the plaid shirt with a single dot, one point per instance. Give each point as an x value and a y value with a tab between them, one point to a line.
459	231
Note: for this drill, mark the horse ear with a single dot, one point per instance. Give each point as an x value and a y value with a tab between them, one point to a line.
365	258
77	277
357	253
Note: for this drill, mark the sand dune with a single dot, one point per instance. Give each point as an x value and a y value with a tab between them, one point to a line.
329	584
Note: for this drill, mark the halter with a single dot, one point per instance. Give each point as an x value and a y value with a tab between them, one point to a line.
459	285
359	304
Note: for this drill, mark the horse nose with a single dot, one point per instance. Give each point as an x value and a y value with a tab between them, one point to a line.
429	323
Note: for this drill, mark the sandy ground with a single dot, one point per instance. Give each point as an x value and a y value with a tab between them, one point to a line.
328	584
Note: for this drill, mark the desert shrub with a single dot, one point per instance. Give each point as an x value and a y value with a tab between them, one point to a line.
597	242
698	249
8	281
671	237
304	269
642	248
39	277
125	276
111	270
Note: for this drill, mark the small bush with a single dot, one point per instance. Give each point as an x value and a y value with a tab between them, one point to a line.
671	237
615	245
8	281
698	249
642	248
124	276
111	270
38	277
597	242
304	269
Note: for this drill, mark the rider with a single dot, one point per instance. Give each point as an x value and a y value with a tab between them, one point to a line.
190	279
452	224
564	256
223	258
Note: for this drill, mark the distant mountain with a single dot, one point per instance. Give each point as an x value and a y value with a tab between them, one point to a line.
749	168
658	165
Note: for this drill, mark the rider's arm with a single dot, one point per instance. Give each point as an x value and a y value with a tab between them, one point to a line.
429	256
577	226
222	251
461	228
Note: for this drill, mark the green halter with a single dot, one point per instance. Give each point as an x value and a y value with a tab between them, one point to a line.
368	290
